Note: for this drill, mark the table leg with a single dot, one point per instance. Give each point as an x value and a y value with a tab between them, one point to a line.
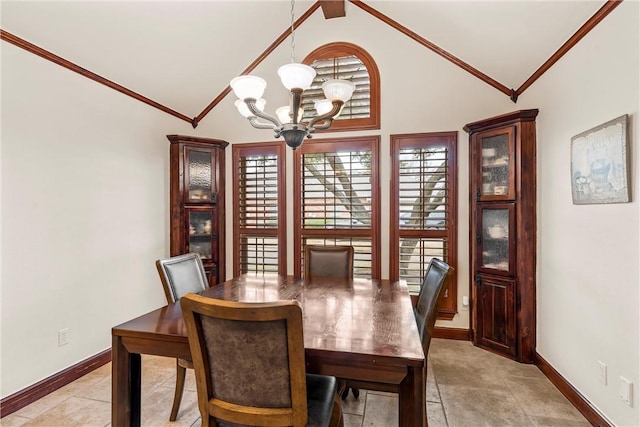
125	385
412	399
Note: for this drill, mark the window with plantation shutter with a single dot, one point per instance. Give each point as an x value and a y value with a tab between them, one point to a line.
259	209
337	200
424	209
348	62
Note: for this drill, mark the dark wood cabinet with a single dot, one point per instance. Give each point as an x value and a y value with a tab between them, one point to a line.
502	222
197	201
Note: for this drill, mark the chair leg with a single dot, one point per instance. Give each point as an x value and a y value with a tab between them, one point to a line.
343	390
337	419
180	376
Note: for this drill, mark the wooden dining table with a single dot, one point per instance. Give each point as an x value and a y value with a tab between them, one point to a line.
360	330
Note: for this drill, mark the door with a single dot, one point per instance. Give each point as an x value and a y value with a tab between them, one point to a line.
496	314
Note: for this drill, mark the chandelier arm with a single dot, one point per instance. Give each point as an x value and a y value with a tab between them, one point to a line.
260	125
296	99
251	104
337	105
326	124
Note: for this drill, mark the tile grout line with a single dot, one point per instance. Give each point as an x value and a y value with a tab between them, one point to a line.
435	381
364	410
526	414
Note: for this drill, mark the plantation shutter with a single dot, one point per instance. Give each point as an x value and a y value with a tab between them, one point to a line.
346	68
337	203
258	200
424	210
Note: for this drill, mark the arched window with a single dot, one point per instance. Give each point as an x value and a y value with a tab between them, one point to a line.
347	61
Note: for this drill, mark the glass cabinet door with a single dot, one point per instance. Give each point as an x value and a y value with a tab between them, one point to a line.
495	238
201	240
496	164
199	178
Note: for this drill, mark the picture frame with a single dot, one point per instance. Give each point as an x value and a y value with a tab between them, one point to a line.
599	169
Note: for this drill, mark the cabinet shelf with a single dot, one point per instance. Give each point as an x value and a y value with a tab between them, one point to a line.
495	166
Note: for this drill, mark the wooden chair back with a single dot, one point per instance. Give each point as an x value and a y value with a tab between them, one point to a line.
249	361
328	261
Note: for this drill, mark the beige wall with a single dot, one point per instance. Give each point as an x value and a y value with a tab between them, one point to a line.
84	173
588	255
84	190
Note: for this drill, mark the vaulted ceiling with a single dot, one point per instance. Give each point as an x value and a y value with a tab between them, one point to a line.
182	54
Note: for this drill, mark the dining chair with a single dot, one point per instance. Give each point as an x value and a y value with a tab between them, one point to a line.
249	363
181	275
430	298
331	261
328	261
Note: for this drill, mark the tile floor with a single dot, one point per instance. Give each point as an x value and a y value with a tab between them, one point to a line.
466	387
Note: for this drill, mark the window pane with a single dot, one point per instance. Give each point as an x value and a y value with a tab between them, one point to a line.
424	196
346	68
258	175
337	203
258	254
336	190
258	191
425	209
415	254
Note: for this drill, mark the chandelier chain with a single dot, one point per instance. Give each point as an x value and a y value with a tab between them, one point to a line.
296	78
293	33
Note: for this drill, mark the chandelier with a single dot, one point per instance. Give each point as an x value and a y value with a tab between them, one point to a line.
288	122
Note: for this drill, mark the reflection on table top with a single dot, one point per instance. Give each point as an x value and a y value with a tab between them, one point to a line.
354	316
360	317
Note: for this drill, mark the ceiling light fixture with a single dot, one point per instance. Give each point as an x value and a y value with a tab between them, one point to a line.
296	78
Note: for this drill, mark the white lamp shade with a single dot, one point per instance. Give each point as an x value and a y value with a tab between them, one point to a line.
323	106
248	87
244	110
338	90
296	75
283	114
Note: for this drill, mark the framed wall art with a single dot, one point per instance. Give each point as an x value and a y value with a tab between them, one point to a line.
599	170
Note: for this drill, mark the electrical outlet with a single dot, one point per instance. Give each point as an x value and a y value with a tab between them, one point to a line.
603	372
626	391
63	337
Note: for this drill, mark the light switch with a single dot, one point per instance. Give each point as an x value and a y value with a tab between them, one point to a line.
626	391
